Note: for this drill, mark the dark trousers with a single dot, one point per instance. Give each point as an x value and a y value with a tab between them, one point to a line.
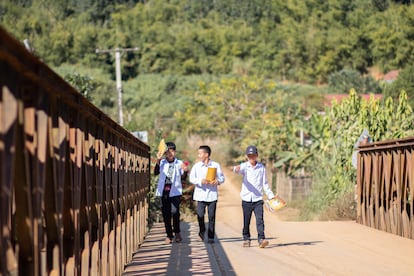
201	210
248	209
171	209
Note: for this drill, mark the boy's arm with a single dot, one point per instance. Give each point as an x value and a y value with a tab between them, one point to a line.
184	169
220	175
239	169
157	167
193	176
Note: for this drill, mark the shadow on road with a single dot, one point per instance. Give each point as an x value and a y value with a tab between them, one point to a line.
189	257
271	245
294	243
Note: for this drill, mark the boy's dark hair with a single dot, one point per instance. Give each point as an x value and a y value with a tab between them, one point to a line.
206	149
171	145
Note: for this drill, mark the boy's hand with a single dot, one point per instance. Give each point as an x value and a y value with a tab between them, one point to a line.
184	166
236	168
159	155
208	182
214	182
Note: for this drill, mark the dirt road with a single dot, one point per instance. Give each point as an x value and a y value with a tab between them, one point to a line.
308	248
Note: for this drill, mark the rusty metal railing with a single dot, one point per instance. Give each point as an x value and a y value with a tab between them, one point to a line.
74	183
385	186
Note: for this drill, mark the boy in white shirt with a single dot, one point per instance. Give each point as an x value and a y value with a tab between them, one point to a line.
170	189
205	191
253	185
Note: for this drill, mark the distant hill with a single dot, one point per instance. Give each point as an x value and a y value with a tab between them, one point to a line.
298	41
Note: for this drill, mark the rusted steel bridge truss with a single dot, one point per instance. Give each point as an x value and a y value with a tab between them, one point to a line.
385	186
73	182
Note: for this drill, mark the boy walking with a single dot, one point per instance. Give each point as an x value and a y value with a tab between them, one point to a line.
205	191
253	185
169	188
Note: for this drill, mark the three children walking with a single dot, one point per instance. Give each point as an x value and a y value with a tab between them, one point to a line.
169	188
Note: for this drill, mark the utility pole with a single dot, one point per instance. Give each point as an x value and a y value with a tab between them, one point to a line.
117	52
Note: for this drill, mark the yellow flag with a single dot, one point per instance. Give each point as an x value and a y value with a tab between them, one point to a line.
162	147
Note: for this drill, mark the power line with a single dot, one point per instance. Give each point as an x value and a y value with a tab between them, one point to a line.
118	52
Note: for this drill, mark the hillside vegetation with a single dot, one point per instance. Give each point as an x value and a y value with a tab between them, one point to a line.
302	41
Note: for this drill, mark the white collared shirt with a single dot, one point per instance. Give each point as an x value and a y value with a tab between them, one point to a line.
177	172
204	192
254	182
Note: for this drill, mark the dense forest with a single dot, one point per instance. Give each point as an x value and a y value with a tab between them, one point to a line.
300	41
245	71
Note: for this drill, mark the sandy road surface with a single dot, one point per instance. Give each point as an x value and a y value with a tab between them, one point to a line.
308	248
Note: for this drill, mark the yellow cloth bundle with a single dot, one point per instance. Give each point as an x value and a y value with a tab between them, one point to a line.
275	204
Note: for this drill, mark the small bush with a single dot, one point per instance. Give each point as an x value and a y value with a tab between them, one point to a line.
344	208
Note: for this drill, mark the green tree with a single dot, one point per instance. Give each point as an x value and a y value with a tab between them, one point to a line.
391	35
84	84
227	106
404	82
344	80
